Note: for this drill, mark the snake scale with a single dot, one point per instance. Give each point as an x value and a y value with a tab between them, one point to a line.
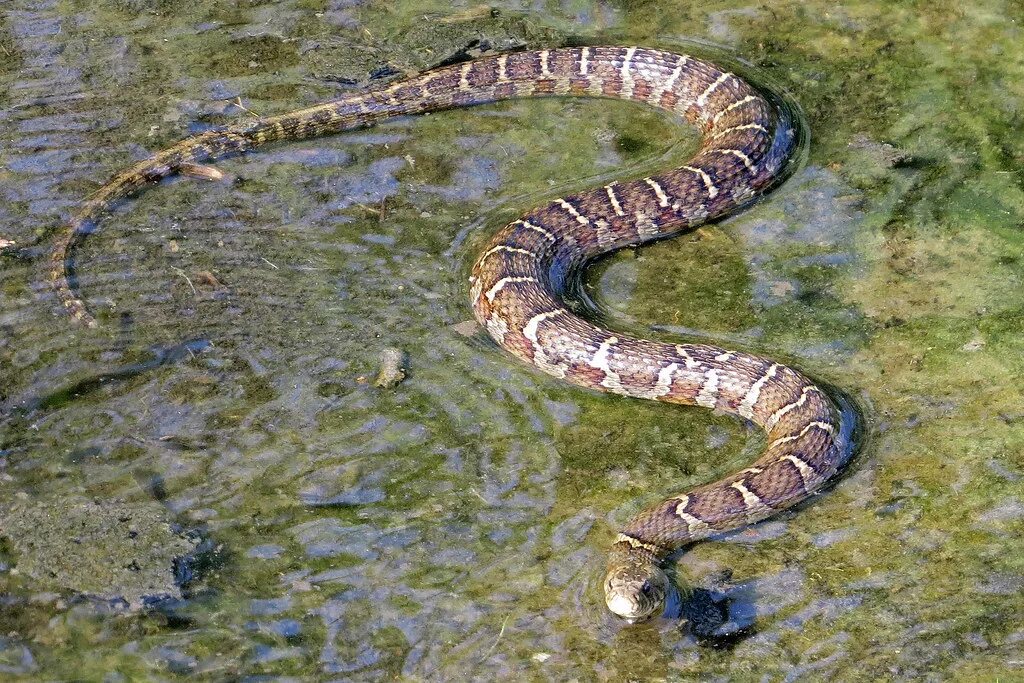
518	281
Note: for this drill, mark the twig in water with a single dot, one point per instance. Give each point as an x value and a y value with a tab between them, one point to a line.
181	272
238	103
366	207
498	639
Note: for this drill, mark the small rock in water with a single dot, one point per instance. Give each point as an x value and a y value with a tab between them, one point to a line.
392	368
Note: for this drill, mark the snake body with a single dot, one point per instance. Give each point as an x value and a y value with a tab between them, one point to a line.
518	281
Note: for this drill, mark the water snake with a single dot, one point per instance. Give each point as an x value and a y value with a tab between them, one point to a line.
518	282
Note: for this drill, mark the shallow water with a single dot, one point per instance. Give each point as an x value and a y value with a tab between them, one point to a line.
455	526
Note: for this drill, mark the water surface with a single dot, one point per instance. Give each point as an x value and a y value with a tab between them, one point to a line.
455	526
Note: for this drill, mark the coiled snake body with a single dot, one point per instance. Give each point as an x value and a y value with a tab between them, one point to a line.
518	280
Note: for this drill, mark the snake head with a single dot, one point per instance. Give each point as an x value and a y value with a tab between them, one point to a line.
635	588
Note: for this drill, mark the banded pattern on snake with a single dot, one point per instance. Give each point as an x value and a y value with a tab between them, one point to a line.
518	281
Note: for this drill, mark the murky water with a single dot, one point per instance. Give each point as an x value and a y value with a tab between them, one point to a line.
454	527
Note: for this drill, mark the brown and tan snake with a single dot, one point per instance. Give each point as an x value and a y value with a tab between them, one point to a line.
518	280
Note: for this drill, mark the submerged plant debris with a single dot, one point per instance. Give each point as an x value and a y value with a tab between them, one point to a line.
455	527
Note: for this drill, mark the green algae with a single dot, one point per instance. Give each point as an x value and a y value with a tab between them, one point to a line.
906	296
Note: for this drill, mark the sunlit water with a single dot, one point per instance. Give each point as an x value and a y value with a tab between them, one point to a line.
454	527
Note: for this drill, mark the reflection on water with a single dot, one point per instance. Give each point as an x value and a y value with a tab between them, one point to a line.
454	526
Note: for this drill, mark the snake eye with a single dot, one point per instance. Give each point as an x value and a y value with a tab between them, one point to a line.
646	587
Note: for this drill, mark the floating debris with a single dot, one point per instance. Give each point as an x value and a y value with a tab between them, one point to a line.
977	343
392	368
467	328
887	155
201	171
205	277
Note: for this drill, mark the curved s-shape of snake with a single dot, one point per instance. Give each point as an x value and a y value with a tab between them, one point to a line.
519	279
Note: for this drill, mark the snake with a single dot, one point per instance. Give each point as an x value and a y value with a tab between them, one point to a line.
519	282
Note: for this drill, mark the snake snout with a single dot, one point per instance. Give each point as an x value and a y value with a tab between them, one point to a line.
636	590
